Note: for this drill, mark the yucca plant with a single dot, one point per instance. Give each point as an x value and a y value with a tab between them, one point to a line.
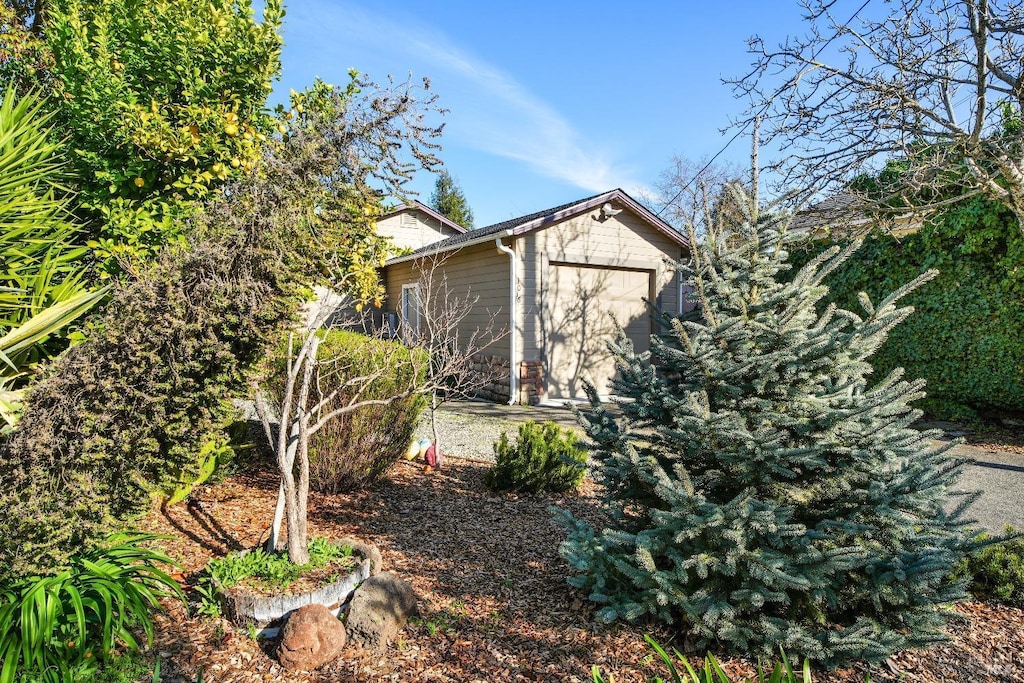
41	271
58	628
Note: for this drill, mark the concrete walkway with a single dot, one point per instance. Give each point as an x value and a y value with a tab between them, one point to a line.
999	475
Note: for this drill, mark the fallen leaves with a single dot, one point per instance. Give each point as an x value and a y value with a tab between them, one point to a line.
494	604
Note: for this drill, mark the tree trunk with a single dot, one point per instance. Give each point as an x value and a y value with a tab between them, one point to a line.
434	405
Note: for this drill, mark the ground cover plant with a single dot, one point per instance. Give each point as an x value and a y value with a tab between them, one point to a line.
764	489
270	571
544	457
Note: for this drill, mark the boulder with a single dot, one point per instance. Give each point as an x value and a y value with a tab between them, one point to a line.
380	607
311	637
367	550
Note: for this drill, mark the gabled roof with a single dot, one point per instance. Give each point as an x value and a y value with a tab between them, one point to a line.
541	219
416	205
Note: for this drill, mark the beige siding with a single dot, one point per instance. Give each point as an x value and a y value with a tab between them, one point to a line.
583	307
480	273
412	229
624	241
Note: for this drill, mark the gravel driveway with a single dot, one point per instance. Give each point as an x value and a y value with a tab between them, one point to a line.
469	429
470	437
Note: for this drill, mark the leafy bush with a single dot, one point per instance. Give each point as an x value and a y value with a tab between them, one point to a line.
127	412
996	572
964	337
544	458
59	627
712	671
162	101
273	569
355	449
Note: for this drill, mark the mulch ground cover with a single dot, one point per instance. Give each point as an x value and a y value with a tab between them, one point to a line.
494	604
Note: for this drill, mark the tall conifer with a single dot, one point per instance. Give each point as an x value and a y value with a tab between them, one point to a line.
763	489
449	201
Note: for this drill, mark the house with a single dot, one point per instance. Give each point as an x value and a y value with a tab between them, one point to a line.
416	225
558	279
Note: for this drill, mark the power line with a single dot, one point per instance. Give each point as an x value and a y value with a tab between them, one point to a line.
767	104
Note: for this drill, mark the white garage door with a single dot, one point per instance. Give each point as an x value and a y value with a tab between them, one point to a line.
582	304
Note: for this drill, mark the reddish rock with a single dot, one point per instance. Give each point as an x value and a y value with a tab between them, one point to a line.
311	637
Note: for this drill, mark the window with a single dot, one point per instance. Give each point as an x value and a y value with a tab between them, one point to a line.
411	309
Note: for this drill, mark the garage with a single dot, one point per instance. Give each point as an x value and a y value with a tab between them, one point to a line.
582	305
552	283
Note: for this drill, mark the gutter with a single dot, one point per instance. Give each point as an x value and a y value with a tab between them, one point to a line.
416	255
513	366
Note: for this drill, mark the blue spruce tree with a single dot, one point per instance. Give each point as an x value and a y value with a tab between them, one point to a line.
762	489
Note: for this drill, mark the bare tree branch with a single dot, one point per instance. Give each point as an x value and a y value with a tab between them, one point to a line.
938	84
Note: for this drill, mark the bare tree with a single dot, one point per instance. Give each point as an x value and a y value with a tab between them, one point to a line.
445	370
937	86
445	332
686	186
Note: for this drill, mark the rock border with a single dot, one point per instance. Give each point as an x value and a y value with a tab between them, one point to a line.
243	607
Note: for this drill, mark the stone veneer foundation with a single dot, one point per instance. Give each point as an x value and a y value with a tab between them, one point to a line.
531	379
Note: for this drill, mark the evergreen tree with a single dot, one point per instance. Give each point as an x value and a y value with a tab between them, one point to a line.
761	489
449	201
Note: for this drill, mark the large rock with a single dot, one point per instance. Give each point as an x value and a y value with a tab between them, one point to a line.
367	550
380	607
311	637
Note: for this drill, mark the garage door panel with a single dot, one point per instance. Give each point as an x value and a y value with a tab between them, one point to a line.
582	306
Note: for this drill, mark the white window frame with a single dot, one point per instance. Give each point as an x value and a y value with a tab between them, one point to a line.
412	307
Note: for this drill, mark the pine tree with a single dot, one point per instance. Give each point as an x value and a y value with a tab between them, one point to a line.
449	201
762	489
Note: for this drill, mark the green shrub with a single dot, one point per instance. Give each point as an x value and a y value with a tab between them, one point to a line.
355	449
544	458
60	627
126	413
996	572
964	338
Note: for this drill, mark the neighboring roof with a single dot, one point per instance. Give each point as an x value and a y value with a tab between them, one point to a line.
848	214
417	205
843	210
541	219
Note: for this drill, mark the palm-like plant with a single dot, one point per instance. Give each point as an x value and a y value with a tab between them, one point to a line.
41	273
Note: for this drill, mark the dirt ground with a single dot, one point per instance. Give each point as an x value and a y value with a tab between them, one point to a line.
494	604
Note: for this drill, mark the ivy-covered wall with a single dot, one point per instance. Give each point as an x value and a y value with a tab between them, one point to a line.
966	337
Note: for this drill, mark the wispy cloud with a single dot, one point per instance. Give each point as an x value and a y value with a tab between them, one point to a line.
491	111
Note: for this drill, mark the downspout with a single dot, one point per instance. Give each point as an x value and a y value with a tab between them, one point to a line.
513	367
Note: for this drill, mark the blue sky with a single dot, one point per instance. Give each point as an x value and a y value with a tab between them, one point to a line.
549	101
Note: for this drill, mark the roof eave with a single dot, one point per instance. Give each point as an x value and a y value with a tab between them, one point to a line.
416	256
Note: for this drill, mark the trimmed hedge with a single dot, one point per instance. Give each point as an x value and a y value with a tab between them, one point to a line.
966	337
355	449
